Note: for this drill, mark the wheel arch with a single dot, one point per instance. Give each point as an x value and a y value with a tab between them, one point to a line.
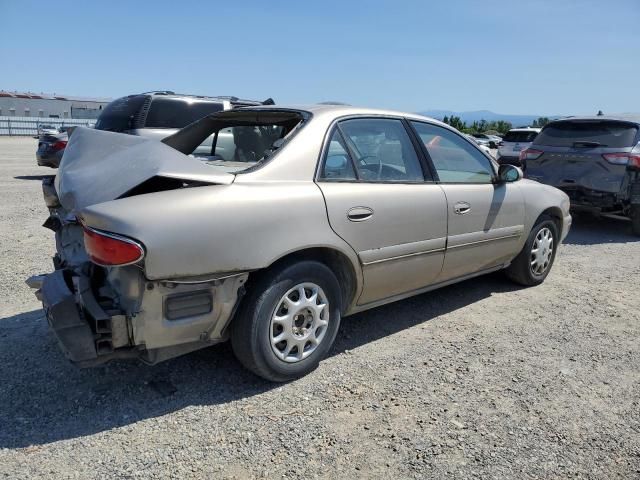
343	267
556	215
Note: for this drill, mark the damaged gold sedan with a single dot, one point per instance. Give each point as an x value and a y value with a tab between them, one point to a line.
266	225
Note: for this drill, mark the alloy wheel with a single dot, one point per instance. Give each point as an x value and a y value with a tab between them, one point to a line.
541	251
299	322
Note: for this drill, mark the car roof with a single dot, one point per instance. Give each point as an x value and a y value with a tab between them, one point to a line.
526	129
337	111
632	118
204	98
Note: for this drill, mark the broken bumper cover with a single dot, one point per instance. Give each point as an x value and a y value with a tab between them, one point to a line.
85	331
174	318
66	320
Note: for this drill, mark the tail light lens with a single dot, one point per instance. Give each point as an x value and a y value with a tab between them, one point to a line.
59	145
630	159
108	249
529	154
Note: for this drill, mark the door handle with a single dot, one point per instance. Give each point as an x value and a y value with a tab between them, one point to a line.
359	214
461	208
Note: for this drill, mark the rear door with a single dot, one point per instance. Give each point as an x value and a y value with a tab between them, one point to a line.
486	219
580	154
383	202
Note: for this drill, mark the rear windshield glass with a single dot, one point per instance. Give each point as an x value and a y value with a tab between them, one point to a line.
178	113
118	115
604	133
520	137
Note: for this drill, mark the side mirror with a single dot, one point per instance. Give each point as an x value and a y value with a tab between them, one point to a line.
335	162
509	173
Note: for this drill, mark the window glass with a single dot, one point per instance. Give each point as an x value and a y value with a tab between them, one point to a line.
382	150
520	136
178	113
337	164
602	132
455	159
118	115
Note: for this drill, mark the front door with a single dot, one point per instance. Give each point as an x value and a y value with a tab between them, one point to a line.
486	219
379	201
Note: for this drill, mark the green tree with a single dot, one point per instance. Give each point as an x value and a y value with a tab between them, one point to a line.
455	122
540	122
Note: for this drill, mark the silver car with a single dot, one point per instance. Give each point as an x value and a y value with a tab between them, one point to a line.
514	142
307	215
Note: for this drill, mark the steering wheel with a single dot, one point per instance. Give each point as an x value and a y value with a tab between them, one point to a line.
360	160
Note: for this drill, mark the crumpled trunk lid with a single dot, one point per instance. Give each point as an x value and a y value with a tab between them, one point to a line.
100	166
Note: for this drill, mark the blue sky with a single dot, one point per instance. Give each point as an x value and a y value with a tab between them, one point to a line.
520	57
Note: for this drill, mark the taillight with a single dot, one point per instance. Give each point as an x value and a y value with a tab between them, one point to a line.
529	154
630	159
59	145
108	249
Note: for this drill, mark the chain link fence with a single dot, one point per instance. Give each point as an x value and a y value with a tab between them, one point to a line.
28	126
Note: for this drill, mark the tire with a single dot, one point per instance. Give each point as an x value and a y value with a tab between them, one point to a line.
274	308
521	270
635	219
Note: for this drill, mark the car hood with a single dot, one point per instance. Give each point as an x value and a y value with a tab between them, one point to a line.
99	166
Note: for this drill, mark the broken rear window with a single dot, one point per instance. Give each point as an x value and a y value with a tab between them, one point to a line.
240	139
599	133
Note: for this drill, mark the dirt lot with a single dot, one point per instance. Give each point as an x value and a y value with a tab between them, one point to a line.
478	380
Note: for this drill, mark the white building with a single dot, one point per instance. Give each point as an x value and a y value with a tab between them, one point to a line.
28	104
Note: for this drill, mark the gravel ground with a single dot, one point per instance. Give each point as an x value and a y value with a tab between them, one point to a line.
477	380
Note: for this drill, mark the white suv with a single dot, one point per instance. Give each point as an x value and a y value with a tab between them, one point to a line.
516	140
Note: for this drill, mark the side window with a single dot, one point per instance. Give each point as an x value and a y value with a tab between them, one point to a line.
455	159
337	164
381	150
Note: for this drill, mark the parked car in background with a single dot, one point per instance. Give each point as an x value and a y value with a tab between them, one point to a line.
316	213
483	145
50	149
490	141
45	129
595	160
159	114
516	140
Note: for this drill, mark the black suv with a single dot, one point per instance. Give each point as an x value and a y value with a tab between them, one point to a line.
150	114
160	114
595	160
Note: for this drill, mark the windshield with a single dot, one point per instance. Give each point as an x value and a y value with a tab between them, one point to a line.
597	133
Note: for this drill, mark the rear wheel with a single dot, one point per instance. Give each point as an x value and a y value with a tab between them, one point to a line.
288	321
635	219
533	263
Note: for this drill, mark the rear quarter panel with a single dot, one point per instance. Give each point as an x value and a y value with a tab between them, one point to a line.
221	228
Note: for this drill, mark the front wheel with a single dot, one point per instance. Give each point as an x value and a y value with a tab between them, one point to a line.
533	263
288	321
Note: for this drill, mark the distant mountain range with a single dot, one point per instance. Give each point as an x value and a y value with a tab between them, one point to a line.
470	117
